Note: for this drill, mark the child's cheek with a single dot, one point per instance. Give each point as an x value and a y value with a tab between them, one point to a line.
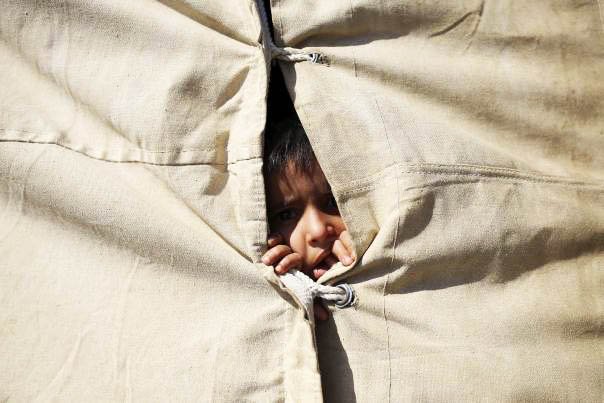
340	225
295	240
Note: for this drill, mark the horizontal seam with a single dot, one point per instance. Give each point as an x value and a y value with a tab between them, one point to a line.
243	159
489	173
503	172
133	161
552	180
500	179
127	149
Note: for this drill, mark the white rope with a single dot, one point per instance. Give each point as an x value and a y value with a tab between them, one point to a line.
299	283
286	54
307	290
295	55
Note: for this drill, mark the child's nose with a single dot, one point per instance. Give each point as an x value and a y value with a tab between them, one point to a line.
319	228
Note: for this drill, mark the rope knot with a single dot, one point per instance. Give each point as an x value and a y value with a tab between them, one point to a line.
307	290
294	55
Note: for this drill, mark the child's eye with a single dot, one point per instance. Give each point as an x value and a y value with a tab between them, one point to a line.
286	215
331	204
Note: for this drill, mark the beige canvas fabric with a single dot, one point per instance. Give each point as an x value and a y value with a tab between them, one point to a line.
463	142
133	208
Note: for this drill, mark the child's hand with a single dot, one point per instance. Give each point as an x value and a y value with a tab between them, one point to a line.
284	259
281	256
341	251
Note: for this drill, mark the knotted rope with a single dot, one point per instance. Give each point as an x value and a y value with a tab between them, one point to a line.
286	54
307	290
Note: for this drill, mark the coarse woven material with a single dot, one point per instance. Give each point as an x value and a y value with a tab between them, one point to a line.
463	142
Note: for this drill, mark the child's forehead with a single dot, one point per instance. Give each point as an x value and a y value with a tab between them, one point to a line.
295	183
292	180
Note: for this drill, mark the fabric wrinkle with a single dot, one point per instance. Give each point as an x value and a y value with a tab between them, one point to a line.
456	23
398	201
195	14
64	372
121	357
462	143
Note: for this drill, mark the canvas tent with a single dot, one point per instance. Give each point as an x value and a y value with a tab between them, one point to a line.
464	142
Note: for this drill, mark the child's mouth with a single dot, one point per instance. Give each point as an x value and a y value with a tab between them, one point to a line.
321	266
319	270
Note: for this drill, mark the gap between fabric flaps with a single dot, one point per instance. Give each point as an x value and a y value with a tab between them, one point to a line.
305	289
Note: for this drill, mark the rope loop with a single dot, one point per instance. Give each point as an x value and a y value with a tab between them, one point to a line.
286	54
293	55
307	290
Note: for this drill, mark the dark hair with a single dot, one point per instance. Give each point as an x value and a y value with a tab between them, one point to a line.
286	144
285	141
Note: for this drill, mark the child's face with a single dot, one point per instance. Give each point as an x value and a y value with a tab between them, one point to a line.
303	211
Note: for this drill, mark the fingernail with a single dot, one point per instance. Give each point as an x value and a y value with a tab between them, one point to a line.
347	260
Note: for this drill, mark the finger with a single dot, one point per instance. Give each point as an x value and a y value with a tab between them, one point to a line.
274	240
342	253
321	313
346	240
274	254
291	261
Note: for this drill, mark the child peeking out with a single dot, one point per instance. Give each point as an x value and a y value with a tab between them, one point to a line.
306	230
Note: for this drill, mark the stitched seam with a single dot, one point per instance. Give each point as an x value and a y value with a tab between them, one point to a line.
257	184
482	179
486	168
166	151
281	29
599	3
393	258
354	59
482	173
283	395
134	161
